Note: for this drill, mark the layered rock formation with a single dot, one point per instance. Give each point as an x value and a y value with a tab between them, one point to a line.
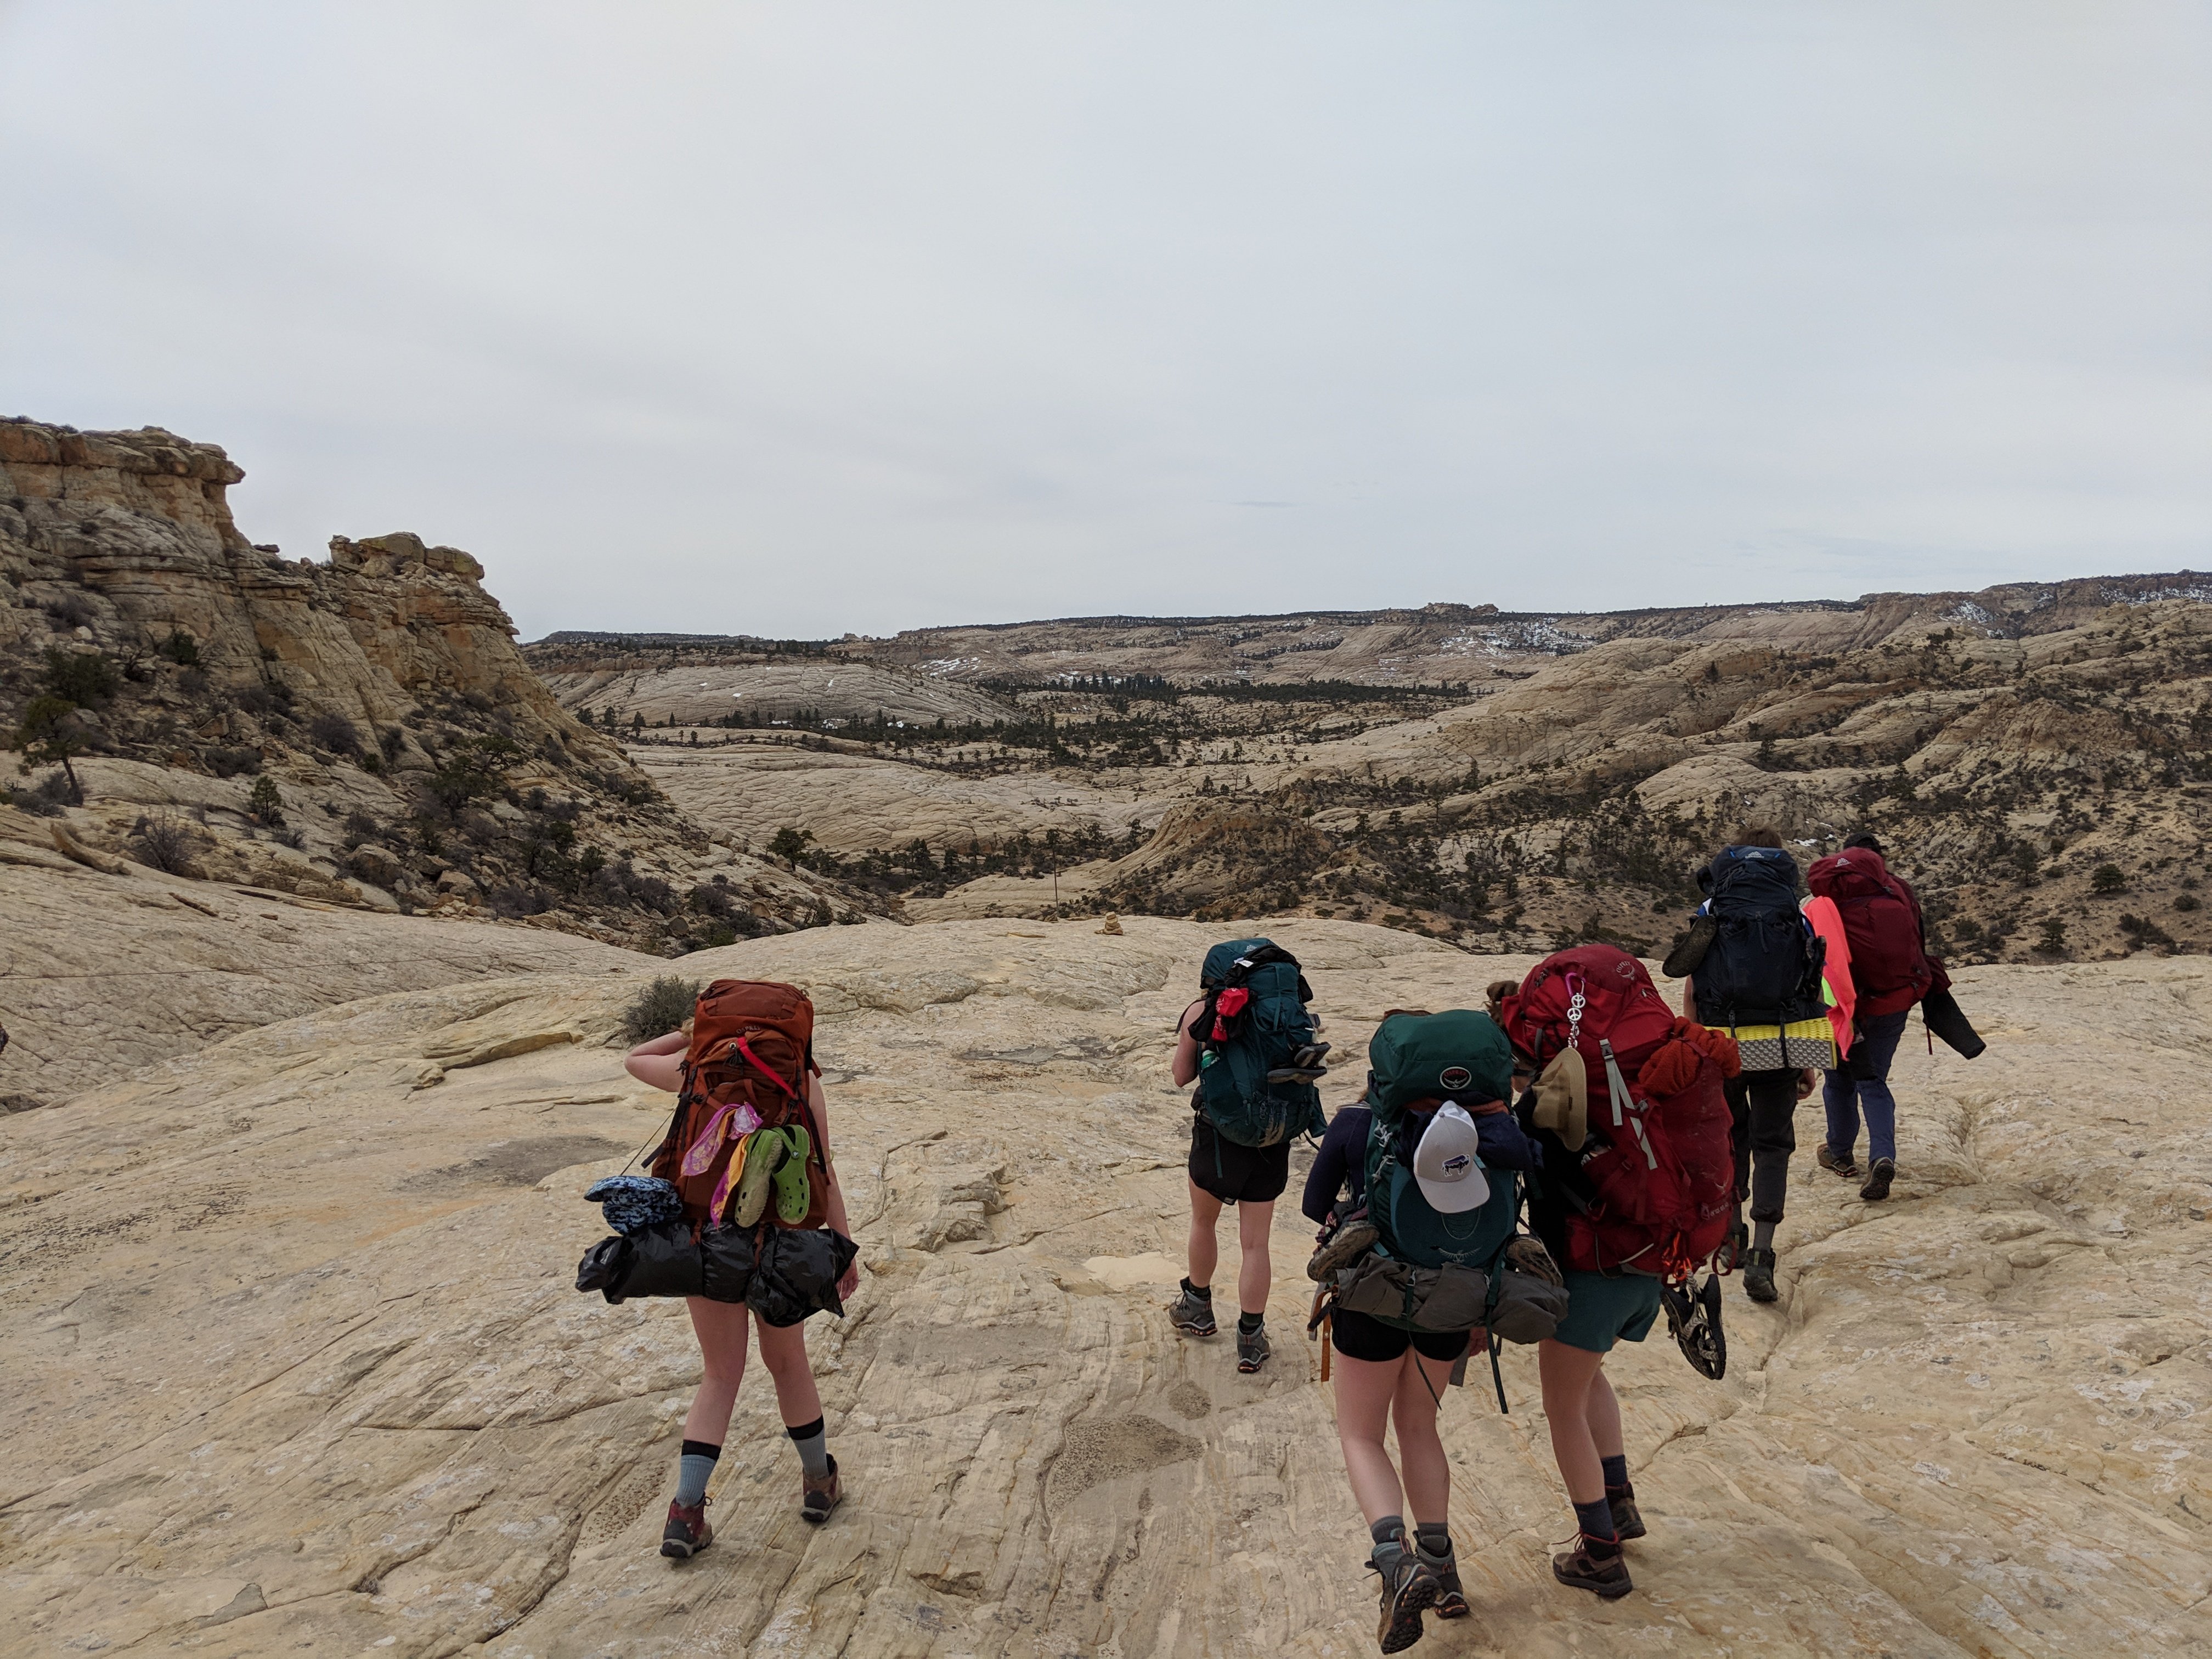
294	1363
416	761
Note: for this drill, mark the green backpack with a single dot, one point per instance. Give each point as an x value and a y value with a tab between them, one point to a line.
1256	1052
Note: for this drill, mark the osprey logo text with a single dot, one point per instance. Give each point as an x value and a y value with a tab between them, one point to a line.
1455	1077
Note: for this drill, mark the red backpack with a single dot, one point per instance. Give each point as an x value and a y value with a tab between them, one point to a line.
752	1047
1659	1161
1882	923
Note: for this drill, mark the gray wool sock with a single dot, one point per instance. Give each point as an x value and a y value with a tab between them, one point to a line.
1433	1538
1762	1235
694	1470
1389	1536
813	1443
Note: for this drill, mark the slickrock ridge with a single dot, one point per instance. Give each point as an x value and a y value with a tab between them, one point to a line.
419	763
294	1363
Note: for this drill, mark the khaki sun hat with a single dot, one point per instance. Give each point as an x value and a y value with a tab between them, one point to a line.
1562	1099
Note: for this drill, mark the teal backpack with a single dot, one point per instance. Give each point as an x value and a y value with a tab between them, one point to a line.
1257	1058
1420	1062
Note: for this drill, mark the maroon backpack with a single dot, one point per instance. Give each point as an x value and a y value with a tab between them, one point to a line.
1658	1161
1881	922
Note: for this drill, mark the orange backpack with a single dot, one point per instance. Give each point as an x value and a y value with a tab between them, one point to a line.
752	1049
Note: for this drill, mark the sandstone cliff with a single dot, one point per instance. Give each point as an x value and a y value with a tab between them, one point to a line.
294	1364
412	758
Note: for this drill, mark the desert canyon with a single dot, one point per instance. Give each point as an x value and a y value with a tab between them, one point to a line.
324	903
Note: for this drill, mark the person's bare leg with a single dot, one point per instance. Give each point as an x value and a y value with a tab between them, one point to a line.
1601	1411
783	1351
1256	1272
720	1329
1364	1391
1421	1461
1566	1372
1204	1252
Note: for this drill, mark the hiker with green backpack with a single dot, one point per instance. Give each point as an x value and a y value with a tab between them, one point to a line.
1416	1189
1248	1044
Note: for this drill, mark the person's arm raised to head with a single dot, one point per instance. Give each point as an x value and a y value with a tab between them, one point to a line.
658	1063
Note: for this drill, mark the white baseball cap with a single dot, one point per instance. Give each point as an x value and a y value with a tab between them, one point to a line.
1448	1165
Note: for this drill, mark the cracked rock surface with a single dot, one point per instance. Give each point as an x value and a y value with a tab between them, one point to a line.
294	1363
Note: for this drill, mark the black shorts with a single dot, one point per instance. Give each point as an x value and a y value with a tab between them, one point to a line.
1233	1173
1356	1336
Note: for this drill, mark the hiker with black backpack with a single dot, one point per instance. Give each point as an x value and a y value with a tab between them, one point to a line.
1248	1044
1415	1187
1751	967
761	1227
1891	972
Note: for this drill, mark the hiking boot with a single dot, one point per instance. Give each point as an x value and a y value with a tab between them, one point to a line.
1409	1587
1191	1314
1252	1350
1606	1576
1878	1180
1627	1519
763	1151
817	1497
1345	1246
1451	1600
1835	1163
1729	1256
687	1532
1759	1275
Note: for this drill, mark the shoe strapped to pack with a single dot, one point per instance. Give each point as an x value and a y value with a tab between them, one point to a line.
632	1203
792	1195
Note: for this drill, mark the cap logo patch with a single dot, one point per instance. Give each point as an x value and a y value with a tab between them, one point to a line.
1456	1165
1455	1077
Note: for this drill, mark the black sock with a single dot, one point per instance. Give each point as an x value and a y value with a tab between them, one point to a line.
1203	1292
1434	1537
1616	1473
1247	1323
1595	1520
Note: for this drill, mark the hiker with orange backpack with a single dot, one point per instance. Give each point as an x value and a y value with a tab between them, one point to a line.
763	1228
1633	1195
1248	1044
1416	1187
1751	967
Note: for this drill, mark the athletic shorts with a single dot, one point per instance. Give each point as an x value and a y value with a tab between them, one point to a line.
1356	1336
1255	1175
1602	1310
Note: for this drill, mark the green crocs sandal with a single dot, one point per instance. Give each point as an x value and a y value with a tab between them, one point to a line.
765	1150
792	1196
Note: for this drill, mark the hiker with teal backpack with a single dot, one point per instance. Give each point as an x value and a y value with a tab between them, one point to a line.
1417	1189
1248	1044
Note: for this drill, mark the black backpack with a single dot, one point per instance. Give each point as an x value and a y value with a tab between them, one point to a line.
1763	967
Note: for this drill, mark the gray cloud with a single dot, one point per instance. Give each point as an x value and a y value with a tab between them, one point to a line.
796	319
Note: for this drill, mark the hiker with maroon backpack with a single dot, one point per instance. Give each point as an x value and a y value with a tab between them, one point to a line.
762	1227
1248	1044
1633	1195
1891	971
1751	964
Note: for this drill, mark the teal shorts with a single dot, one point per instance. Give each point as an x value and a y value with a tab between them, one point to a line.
1601	1311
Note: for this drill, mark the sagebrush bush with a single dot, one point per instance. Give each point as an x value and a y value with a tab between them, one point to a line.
662	1007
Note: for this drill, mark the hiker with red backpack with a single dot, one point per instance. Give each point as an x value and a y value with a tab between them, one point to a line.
1892	972
1634	1194
1248	1044
1416	1189
761	1228
1751	966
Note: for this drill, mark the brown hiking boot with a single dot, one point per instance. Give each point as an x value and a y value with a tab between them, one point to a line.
1451	1599
1628	1519
1606	1576
818	1498
687	1532
1836	1163
1409	1587
1877	1186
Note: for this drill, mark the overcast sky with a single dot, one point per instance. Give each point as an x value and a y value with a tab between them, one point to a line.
802	318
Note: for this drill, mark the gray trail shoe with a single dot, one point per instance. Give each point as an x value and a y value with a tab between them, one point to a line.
1759	1275
1191	1314
1252	1350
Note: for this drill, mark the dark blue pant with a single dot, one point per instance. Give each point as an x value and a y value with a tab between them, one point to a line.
1845	1095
